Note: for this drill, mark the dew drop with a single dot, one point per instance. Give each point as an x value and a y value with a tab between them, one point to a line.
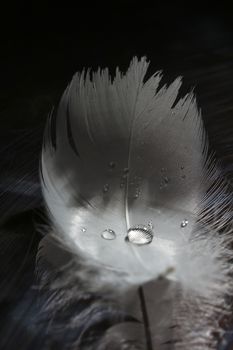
108	234
137	193
139	235
106	188
166	180
130	345
150	225
83	229
112	165
184	223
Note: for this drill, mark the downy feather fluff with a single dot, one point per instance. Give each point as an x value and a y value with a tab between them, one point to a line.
124	152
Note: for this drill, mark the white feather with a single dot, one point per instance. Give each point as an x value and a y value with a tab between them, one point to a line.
126	154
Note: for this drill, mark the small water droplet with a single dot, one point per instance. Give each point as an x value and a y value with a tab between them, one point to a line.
126	170
166	180
182	167
130	345
112	165
83	229
150	225
184	223
183	176
108	234
106	188
139	235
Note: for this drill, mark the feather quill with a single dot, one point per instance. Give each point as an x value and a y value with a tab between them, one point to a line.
121	153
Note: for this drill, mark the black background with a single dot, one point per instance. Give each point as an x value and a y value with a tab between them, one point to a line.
43	44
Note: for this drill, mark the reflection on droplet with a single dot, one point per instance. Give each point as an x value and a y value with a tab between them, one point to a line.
112	165
106	188
83	229
184	223
139	235
108	234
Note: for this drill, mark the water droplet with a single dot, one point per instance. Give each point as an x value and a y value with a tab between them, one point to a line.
184	223
139	235
150	225
106	188
166	180
112	165
183	176
108	234
126	170
83	229
122	184
182	167
137	193
130	345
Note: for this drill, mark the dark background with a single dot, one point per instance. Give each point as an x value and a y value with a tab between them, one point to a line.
42	44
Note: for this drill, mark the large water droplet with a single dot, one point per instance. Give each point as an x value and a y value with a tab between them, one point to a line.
184	223
108	234
106	188
139	235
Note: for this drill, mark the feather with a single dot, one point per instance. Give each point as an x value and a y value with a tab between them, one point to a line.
136	198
